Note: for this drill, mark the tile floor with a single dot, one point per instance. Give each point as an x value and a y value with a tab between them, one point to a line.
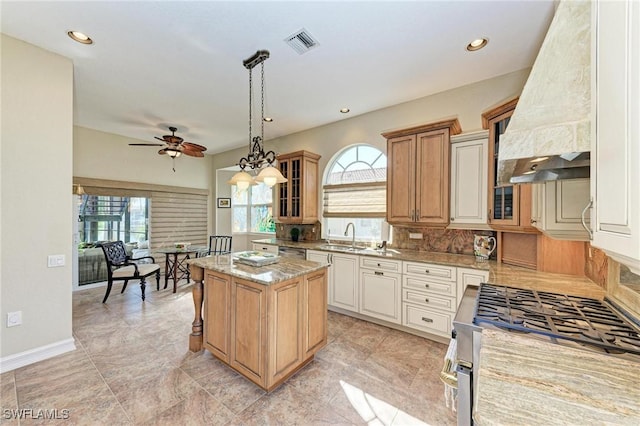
132	366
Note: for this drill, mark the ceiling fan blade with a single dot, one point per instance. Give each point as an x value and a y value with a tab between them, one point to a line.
162	151
192	153
194	146
146	144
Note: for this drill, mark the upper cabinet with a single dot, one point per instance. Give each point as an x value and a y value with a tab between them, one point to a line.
469	180
509	205
418	174
559	208
615	153
298	197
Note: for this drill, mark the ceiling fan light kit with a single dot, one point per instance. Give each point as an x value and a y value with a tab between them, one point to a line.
175	146
257	158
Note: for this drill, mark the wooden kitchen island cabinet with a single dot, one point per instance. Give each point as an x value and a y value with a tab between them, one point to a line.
266	323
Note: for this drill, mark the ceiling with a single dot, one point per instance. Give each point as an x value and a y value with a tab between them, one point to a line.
159	63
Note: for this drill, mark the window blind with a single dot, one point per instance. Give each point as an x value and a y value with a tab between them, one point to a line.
178	217
355	200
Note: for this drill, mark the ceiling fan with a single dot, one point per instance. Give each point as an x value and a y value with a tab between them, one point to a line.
175	146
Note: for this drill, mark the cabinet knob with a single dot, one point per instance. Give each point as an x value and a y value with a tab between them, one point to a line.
426	285
425	319
426	300
533	221
426	271
452	219
378	265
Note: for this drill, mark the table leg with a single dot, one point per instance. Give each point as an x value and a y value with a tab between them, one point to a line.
195	338
175	271
166	270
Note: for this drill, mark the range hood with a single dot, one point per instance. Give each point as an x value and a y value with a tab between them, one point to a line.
549	134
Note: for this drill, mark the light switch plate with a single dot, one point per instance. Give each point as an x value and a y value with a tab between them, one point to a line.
14	318
415	236
55	260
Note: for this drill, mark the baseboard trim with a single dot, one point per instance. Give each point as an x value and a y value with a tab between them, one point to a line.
41	353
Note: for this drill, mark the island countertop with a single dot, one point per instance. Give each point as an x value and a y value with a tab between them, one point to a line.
528	381
285	269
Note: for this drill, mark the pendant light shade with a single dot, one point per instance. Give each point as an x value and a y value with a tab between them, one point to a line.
242	180
270	176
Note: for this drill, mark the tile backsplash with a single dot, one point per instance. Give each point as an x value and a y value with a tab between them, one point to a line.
307	232
457	241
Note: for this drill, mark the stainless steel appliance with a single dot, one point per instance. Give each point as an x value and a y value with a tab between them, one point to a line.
296	252
569	320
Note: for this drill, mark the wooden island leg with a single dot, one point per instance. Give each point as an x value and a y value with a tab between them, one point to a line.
195	338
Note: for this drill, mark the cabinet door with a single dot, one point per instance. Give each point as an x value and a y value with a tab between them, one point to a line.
615	188
285	329
309	191
315	313
560	206
469	182
401	152
324	258
468	277
344	283
217	305
249	329
381	295
432	177
284	191
503	198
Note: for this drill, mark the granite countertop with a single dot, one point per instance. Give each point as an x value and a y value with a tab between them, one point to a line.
528	381
501	274
285	269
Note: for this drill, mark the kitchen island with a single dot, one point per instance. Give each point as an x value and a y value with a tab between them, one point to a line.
264	322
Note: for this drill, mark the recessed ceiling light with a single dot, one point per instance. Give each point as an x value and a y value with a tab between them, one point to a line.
477	44
80	37
344	110
268	119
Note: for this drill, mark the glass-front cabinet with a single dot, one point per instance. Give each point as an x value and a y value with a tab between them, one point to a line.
509	205
298	197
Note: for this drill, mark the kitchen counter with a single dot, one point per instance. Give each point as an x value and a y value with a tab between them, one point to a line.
501	274
286	268
529	381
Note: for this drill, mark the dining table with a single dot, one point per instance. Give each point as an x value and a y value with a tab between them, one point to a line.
175	267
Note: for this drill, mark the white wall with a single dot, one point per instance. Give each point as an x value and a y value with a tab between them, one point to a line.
36	200
467	103
103	155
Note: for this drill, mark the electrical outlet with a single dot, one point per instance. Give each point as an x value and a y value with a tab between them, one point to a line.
415	236
14	318
55	260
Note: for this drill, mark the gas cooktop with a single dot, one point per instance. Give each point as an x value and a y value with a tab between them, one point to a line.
583	320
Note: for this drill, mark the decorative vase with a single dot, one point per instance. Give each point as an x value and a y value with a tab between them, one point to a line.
483	246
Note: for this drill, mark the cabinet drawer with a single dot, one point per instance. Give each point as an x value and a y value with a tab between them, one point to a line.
429	270
379	264
427	300
426	320
443	288
266	248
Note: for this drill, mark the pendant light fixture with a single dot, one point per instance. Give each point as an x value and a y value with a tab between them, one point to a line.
257	159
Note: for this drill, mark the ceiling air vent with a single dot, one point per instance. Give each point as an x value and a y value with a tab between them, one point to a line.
301	41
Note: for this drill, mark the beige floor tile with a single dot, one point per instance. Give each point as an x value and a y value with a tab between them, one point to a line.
200	408
366	334
233	390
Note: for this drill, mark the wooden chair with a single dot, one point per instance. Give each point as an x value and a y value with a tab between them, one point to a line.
219	244
122	267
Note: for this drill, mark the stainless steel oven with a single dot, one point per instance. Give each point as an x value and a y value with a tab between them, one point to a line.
585	323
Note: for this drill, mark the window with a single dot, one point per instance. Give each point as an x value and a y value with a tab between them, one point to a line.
355	191
112	218
252	209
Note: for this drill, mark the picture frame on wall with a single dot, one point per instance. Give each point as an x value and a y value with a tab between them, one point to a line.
224	203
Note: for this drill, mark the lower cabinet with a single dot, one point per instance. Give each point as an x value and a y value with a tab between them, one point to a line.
467	277
217	304
343	277
381	290
315	314
429	297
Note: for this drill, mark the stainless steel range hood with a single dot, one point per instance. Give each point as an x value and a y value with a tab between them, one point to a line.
553	116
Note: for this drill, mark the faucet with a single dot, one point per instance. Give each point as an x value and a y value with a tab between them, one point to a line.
346	233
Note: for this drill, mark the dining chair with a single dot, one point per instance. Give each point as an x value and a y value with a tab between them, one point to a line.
219	244
121	267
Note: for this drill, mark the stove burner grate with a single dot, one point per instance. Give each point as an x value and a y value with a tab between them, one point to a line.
558	316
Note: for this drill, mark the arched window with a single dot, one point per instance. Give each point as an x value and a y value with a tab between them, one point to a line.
355	191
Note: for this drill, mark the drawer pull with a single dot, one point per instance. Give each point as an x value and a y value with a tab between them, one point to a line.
379	273
426	300
426	271
425	319
378	265
426	285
